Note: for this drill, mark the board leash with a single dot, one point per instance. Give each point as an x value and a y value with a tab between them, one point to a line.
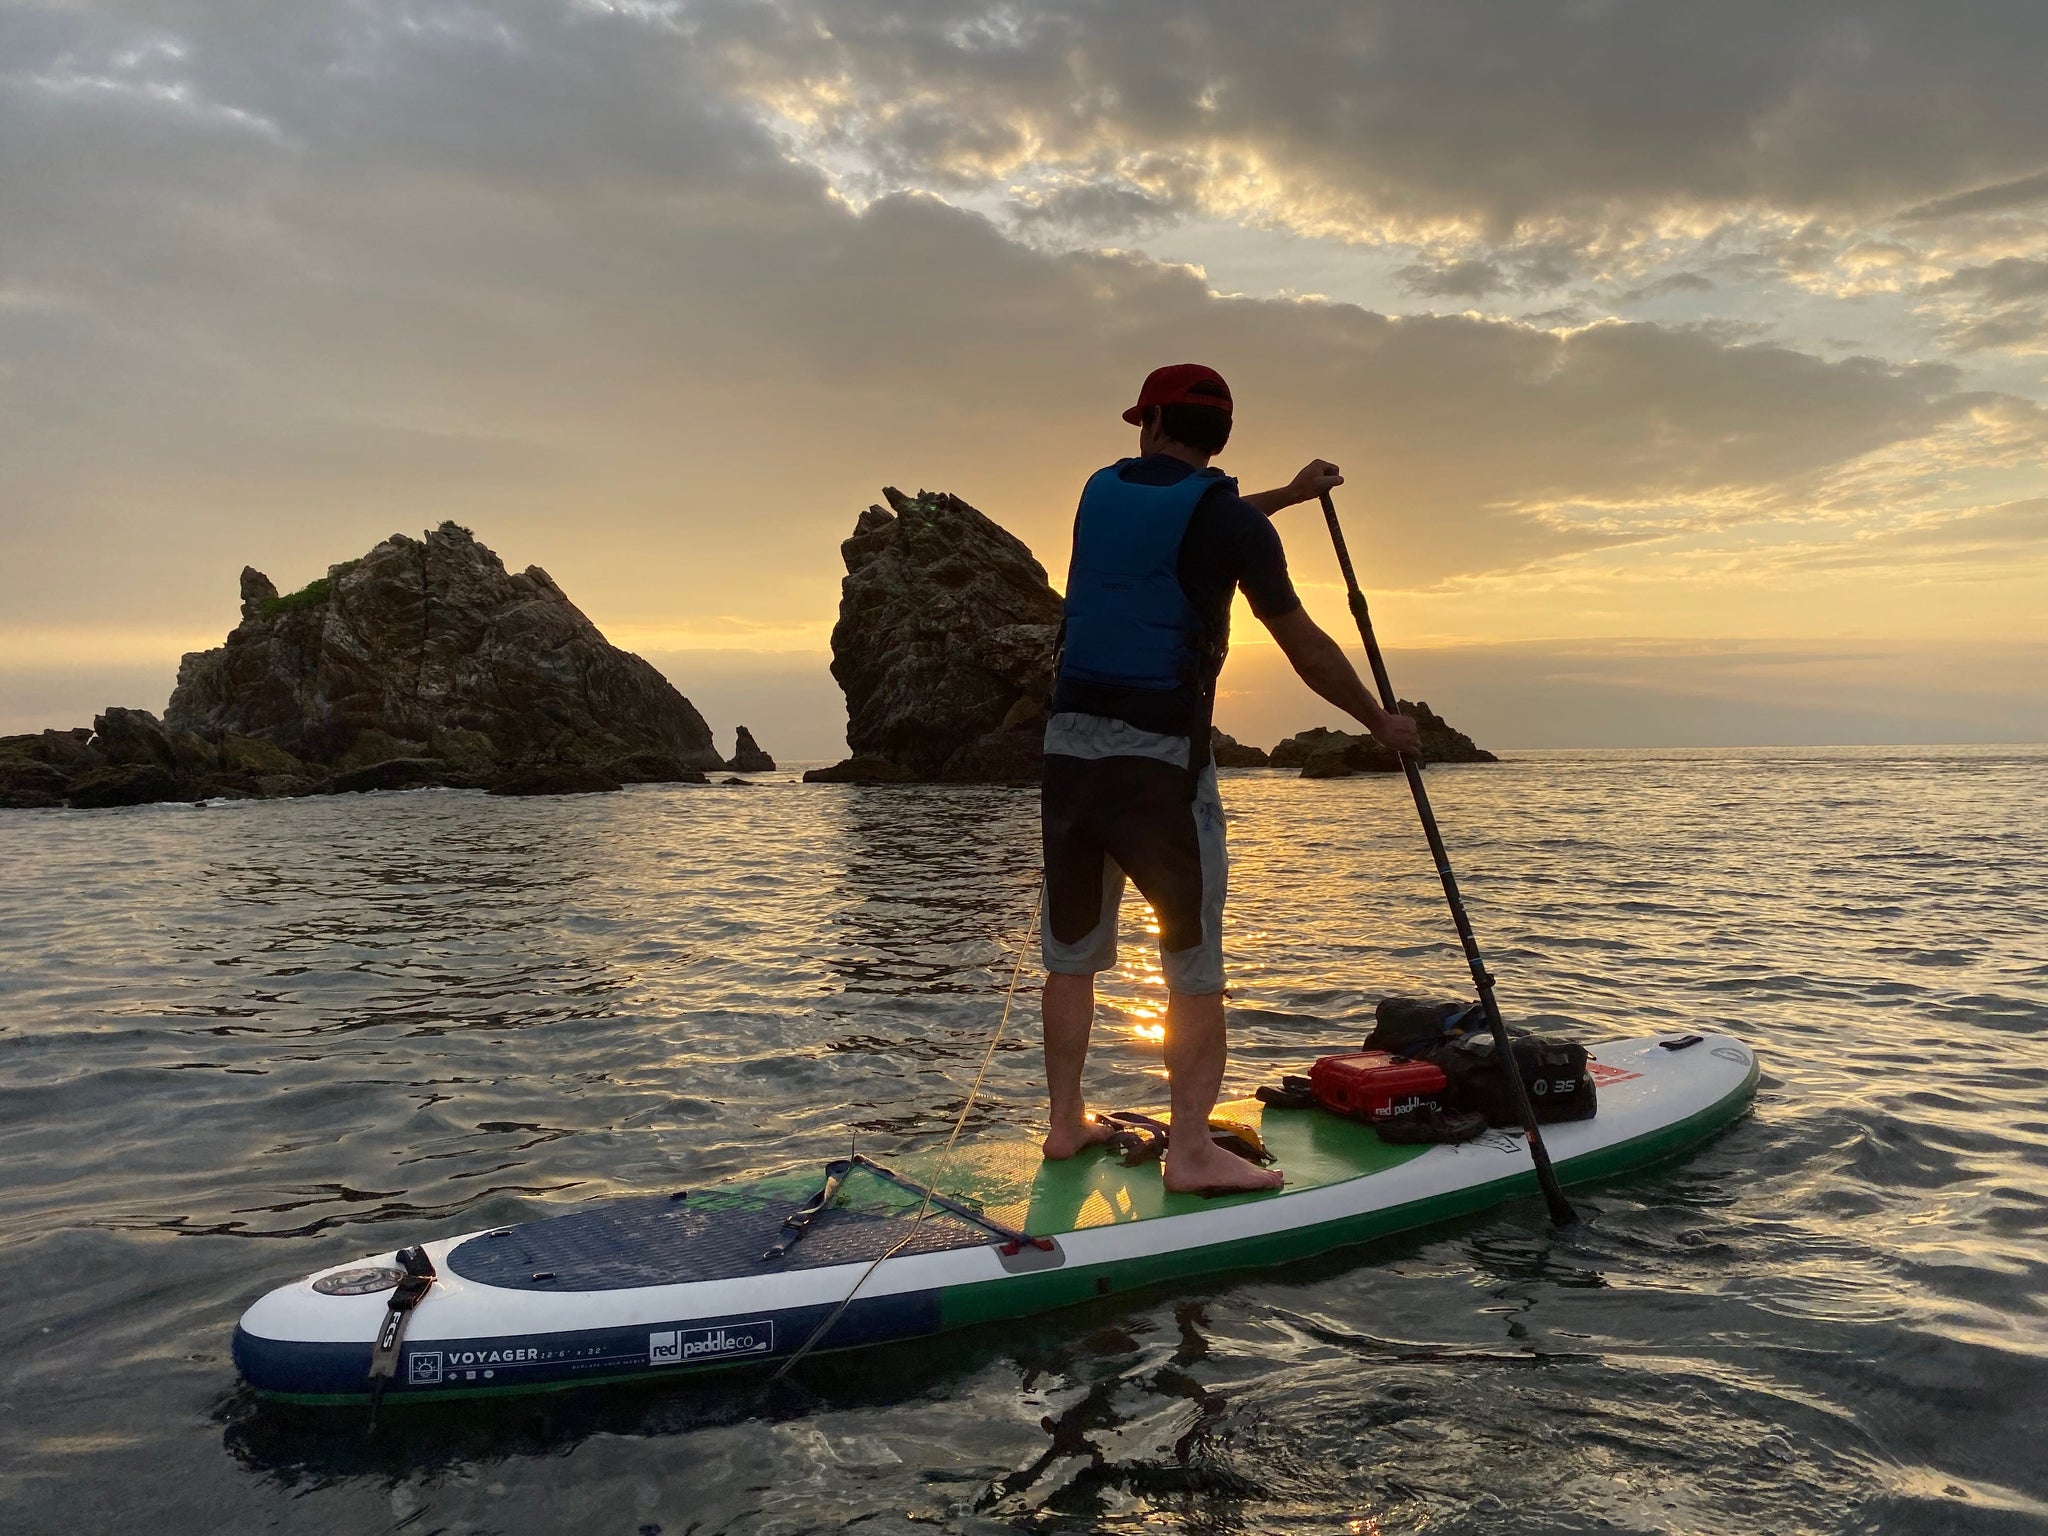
959	1121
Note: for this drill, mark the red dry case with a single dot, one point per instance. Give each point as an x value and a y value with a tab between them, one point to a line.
1371	1085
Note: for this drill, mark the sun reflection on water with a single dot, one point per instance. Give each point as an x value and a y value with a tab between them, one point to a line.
1146	1012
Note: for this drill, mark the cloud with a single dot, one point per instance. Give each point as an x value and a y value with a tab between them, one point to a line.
1675	282
1989	540
1482	147
2001	318
1978	530
2001	281
311	274
1490	114
1526	267
1470	279
2020	193
1567	315
1102	210
2016	331
456	243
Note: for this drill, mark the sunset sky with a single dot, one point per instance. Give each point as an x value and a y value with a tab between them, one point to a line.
1689	363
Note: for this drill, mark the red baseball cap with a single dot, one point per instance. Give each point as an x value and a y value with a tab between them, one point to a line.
1180	384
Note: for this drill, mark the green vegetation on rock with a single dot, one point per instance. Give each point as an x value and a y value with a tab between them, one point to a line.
310	595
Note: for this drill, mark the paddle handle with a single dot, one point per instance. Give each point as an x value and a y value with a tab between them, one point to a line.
1561	1211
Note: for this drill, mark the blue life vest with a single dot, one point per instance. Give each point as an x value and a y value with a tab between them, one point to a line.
1128	623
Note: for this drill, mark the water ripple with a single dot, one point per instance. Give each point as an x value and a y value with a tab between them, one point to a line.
339	1025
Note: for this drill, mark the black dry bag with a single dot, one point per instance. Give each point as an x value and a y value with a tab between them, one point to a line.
1553	1071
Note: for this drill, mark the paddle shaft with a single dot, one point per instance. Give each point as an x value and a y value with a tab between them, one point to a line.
1561	1211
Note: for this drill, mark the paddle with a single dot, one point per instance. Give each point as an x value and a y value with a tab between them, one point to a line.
1561	1211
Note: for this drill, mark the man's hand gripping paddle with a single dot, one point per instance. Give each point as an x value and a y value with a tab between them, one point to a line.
1561	1211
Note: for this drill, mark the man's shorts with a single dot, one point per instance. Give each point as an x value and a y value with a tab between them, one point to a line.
1108	817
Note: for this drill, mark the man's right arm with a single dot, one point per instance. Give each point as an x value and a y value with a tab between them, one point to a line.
1321	663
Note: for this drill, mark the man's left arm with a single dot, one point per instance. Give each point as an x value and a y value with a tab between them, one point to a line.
1316	477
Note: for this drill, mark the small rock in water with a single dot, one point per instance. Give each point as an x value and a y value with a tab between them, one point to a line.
652	768
554	779
864	768
1229	752
747	756
1322	753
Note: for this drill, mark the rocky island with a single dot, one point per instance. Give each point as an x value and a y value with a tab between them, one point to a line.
426	662
423	662
1322	753
944	649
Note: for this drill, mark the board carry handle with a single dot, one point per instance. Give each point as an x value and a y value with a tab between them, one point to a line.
1561	1211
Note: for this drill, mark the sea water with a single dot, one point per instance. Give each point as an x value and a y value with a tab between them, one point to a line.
244	1041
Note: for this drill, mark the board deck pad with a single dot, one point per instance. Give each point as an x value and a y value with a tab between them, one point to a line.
718	1235
724	1233
1009	1181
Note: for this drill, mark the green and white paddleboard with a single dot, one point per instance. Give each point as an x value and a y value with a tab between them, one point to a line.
662	1284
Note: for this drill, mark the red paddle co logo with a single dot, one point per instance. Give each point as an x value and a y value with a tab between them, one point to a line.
680	1346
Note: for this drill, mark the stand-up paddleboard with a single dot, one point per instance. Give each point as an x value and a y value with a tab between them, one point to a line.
663	1284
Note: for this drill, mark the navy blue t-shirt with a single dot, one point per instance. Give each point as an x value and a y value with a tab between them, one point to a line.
1229	544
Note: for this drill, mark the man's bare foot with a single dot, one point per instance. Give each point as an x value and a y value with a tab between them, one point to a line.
1205	1168
1068	1138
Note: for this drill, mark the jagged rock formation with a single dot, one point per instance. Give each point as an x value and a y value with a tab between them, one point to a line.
1326	754
747	756
129	758
944	647
36	771
423	662
1229	752
431	648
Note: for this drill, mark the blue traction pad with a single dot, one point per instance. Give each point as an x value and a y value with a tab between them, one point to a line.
714	1236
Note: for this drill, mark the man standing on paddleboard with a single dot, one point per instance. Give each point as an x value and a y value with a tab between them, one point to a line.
1162	543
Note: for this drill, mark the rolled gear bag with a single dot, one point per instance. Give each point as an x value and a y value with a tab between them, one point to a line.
1407	1026
1554	1071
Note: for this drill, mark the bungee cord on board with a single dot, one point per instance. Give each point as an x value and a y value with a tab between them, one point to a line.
925	1204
